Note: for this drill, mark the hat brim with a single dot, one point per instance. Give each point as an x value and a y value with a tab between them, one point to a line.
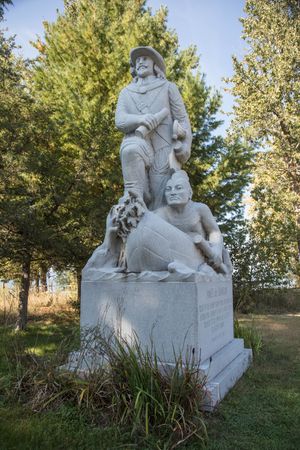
148	51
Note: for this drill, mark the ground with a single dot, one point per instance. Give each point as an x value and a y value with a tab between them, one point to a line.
261	412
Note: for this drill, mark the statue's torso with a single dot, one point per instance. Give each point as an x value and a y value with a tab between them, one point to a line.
151	99
189	220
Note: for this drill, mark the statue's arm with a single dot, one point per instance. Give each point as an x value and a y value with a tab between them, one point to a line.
179	113
211	228
209	224
213	248
125	121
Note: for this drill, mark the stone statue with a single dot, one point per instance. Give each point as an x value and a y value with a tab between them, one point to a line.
151	114
162	274
156	227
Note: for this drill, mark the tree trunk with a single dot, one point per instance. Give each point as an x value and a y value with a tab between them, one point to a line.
78	276
43	278
23	296
37	283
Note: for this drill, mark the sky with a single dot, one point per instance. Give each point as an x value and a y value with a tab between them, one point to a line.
212	25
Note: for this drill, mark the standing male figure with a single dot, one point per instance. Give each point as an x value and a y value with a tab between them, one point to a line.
151	114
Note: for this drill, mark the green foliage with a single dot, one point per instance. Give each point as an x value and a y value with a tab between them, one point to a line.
255	266
252	337
275	301
34	224
65	280
31	179
3	4
266	86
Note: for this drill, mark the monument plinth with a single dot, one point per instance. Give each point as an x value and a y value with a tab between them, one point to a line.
175	318
162	273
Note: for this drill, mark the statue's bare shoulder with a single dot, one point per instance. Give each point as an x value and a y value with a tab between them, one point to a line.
205	215
202	209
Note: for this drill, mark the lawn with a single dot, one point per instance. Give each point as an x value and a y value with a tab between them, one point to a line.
261	412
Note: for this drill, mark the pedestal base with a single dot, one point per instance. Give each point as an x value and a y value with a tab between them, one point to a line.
175	318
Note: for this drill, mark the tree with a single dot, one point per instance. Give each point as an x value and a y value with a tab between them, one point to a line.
10	95
31	177
266	86
3	4
22	230
252	274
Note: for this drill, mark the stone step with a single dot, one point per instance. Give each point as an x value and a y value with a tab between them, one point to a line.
216	363
217	388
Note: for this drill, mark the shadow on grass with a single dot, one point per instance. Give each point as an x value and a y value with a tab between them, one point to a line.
41	337
65	430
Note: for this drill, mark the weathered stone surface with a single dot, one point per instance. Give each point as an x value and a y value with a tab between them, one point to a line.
173	316
187	318
156	226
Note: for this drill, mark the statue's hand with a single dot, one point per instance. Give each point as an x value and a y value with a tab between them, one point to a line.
215	261
178	148
208	250
149	121
198	239
180	151
136	195
111	236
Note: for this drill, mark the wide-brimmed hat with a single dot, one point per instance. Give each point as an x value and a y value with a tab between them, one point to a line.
148	51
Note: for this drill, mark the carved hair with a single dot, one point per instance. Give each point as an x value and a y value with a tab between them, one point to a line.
158	72
156	69
182	175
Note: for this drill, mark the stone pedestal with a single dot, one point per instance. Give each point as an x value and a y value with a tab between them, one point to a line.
191	317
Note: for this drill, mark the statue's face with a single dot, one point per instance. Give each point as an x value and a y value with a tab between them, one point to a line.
177	192
144	66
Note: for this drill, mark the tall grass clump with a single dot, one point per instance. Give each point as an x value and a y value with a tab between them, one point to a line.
252	337
130	389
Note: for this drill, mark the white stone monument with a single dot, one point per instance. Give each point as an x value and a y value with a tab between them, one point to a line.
162	273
